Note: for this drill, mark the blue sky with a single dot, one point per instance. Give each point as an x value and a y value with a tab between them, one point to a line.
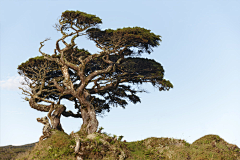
200	52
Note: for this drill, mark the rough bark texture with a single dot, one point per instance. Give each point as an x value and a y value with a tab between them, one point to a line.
46	129
85	118
56	115
39	107
54	112
93	122
90	122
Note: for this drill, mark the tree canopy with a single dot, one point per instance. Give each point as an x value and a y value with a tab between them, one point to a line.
93	81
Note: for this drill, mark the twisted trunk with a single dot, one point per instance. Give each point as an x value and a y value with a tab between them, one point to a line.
90	122
56	115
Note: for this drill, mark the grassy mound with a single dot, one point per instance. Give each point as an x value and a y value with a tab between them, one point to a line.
206	148
103	146
212	146
56	147
159	148
61	146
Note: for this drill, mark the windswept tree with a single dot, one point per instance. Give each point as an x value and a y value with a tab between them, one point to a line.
95	82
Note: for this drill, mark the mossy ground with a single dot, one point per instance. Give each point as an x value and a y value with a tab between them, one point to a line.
103	146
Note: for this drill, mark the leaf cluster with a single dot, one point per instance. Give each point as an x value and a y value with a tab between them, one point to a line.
129	38
80	20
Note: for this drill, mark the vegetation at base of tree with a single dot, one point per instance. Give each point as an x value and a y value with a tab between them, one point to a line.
103	146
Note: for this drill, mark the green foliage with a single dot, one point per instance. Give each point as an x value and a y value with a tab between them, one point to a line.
140	38
120	138
141	70
112	142
100	129
81	20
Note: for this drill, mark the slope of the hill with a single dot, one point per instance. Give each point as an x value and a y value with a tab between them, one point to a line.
9	152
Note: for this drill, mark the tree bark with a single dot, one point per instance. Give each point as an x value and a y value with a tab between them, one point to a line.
90	122
93	123
35	105
55	117
85	118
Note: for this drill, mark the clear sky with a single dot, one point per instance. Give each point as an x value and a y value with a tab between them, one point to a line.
200	52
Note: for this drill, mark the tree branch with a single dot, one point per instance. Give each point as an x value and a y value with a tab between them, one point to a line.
71	114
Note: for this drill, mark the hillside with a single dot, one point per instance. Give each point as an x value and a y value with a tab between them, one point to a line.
103	146
9	152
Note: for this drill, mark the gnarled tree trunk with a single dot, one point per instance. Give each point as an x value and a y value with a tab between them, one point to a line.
90	122
56	115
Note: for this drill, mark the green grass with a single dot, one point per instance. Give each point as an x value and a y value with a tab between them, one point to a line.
104	146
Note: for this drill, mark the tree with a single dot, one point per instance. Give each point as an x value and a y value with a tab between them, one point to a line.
95	82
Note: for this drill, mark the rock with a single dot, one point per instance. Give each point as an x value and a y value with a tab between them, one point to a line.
122	156
91	136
